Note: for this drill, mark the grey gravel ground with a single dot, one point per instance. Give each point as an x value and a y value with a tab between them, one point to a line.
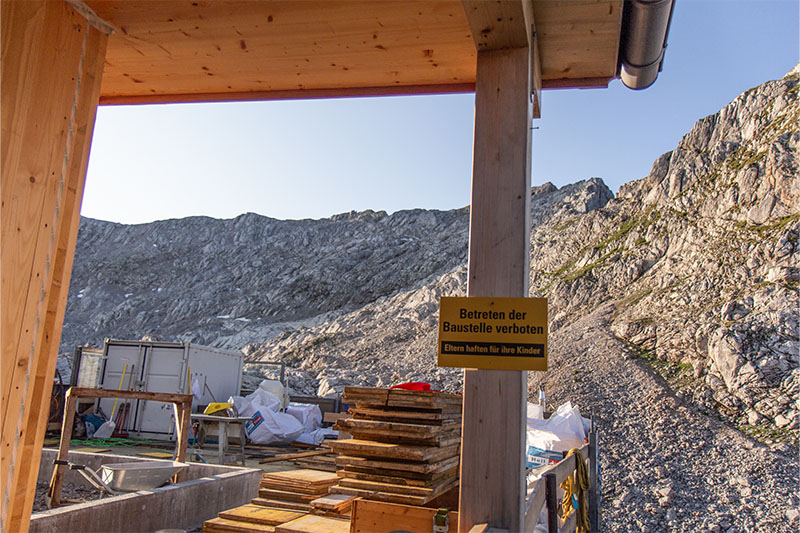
665	466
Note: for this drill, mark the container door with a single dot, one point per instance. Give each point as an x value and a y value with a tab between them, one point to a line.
166	370
121	357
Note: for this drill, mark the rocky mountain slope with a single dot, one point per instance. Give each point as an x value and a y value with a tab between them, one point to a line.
228	282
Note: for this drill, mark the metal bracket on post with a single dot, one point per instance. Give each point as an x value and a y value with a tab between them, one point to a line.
441	522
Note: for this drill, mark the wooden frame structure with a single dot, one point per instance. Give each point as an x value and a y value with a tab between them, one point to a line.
182	403
61	58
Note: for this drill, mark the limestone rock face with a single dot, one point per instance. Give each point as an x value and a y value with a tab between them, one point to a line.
229	282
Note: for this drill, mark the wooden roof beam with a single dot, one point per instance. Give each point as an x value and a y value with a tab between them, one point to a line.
501	24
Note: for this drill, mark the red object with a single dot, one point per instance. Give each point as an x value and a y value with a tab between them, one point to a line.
412	386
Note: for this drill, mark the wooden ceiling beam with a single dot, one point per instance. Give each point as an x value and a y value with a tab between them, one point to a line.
503	24
300	94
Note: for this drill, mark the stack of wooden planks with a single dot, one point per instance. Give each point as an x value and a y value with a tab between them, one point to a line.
405	445
293	489
334	505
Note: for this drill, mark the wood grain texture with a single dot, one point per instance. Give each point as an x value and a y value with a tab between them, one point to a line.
578	39
380	517
492	451
315	524
394	497
52	62
185	48
396	468
400	452
182	51
533	507
257	514
226	525
277	504
498	25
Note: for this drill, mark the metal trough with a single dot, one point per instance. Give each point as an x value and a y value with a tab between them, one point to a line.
139	475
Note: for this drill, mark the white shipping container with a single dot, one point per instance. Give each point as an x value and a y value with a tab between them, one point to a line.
165	367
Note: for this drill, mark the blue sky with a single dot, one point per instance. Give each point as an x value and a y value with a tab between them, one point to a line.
316	158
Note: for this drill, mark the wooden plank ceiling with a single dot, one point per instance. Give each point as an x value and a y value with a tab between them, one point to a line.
184	50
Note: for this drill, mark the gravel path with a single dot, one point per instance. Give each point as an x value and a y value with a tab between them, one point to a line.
665	466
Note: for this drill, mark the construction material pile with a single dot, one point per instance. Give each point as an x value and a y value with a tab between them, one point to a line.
249	519
293	489
405	445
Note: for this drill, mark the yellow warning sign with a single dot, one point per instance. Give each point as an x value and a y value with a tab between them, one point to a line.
493	333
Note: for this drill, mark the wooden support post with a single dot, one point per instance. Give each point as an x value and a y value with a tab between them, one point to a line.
493	443
52	64
54	491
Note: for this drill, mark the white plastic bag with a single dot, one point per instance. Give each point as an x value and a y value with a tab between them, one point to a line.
307	413
546	439
262	399
276	388
317	436
272	427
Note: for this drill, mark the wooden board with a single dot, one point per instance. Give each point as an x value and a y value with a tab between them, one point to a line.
385	450
397	480
313	490
379	517
315	464
333	502
398	468
444	439
277	504
302	476
286	496
436	417
430	491
222	525
157	455
315	524
393	497
258	514
290	456
398	428
89	449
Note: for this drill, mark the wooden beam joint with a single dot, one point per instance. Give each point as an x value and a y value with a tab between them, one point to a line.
499	25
